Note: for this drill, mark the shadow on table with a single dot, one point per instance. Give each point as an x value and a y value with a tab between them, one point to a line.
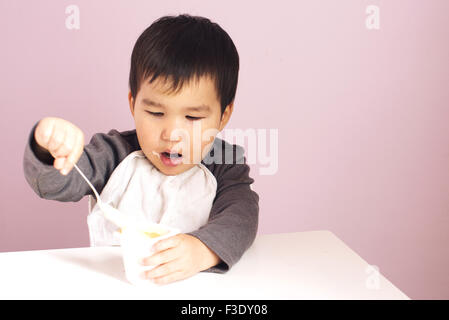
110	264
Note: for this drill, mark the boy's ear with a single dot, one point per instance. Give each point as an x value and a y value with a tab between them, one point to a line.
131	103
226	115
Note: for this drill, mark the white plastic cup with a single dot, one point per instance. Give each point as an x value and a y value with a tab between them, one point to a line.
136	244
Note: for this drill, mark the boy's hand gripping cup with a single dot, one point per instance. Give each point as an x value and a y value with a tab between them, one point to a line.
136	242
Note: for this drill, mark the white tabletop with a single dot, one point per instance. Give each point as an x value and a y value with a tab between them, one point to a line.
302	265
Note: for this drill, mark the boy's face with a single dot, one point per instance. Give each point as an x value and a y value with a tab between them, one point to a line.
165	122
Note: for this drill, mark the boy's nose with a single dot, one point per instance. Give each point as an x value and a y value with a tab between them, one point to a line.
173	132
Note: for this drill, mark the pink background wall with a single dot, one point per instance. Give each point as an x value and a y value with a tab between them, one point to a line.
362	117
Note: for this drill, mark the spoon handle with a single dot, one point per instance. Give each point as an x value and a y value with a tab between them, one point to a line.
109	212
90	185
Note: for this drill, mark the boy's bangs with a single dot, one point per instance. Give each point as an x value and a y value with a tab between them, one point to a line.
178	50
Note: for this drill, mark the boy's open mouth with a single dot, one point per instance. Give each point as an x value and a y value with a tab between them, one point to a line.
171	159
172	155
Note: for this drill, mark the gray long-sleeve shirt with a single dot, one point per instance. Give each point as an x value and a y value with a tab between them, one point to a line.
233	219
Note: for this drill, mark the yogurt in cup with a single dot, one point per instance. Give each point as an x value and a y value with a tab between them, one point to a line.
136	242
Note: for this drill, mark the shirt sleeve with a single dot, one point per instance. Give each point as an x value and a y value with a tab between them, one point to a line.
99	158
233	220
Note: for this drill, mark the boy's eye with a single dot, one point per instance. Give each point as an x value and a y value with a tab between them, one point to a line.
160	114
157	114
194	118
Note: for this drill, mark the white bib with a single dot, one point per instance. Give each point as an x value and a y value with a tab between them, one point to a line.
137	188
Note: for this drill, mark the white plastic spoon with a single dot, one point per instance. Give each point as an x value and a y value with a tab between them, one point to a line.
109	212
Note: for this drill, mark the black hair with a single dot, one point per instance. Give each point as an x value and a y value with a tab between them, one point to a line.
181	48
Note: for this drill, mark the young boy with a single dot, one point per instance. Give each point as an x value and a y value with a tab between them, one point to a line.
183	78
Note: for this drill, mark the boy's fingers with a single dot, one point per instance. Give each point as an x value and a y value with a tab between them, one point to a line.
164	270
57	138
66	146
171	277
44	132
59	163
168	243
75	154
160	257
